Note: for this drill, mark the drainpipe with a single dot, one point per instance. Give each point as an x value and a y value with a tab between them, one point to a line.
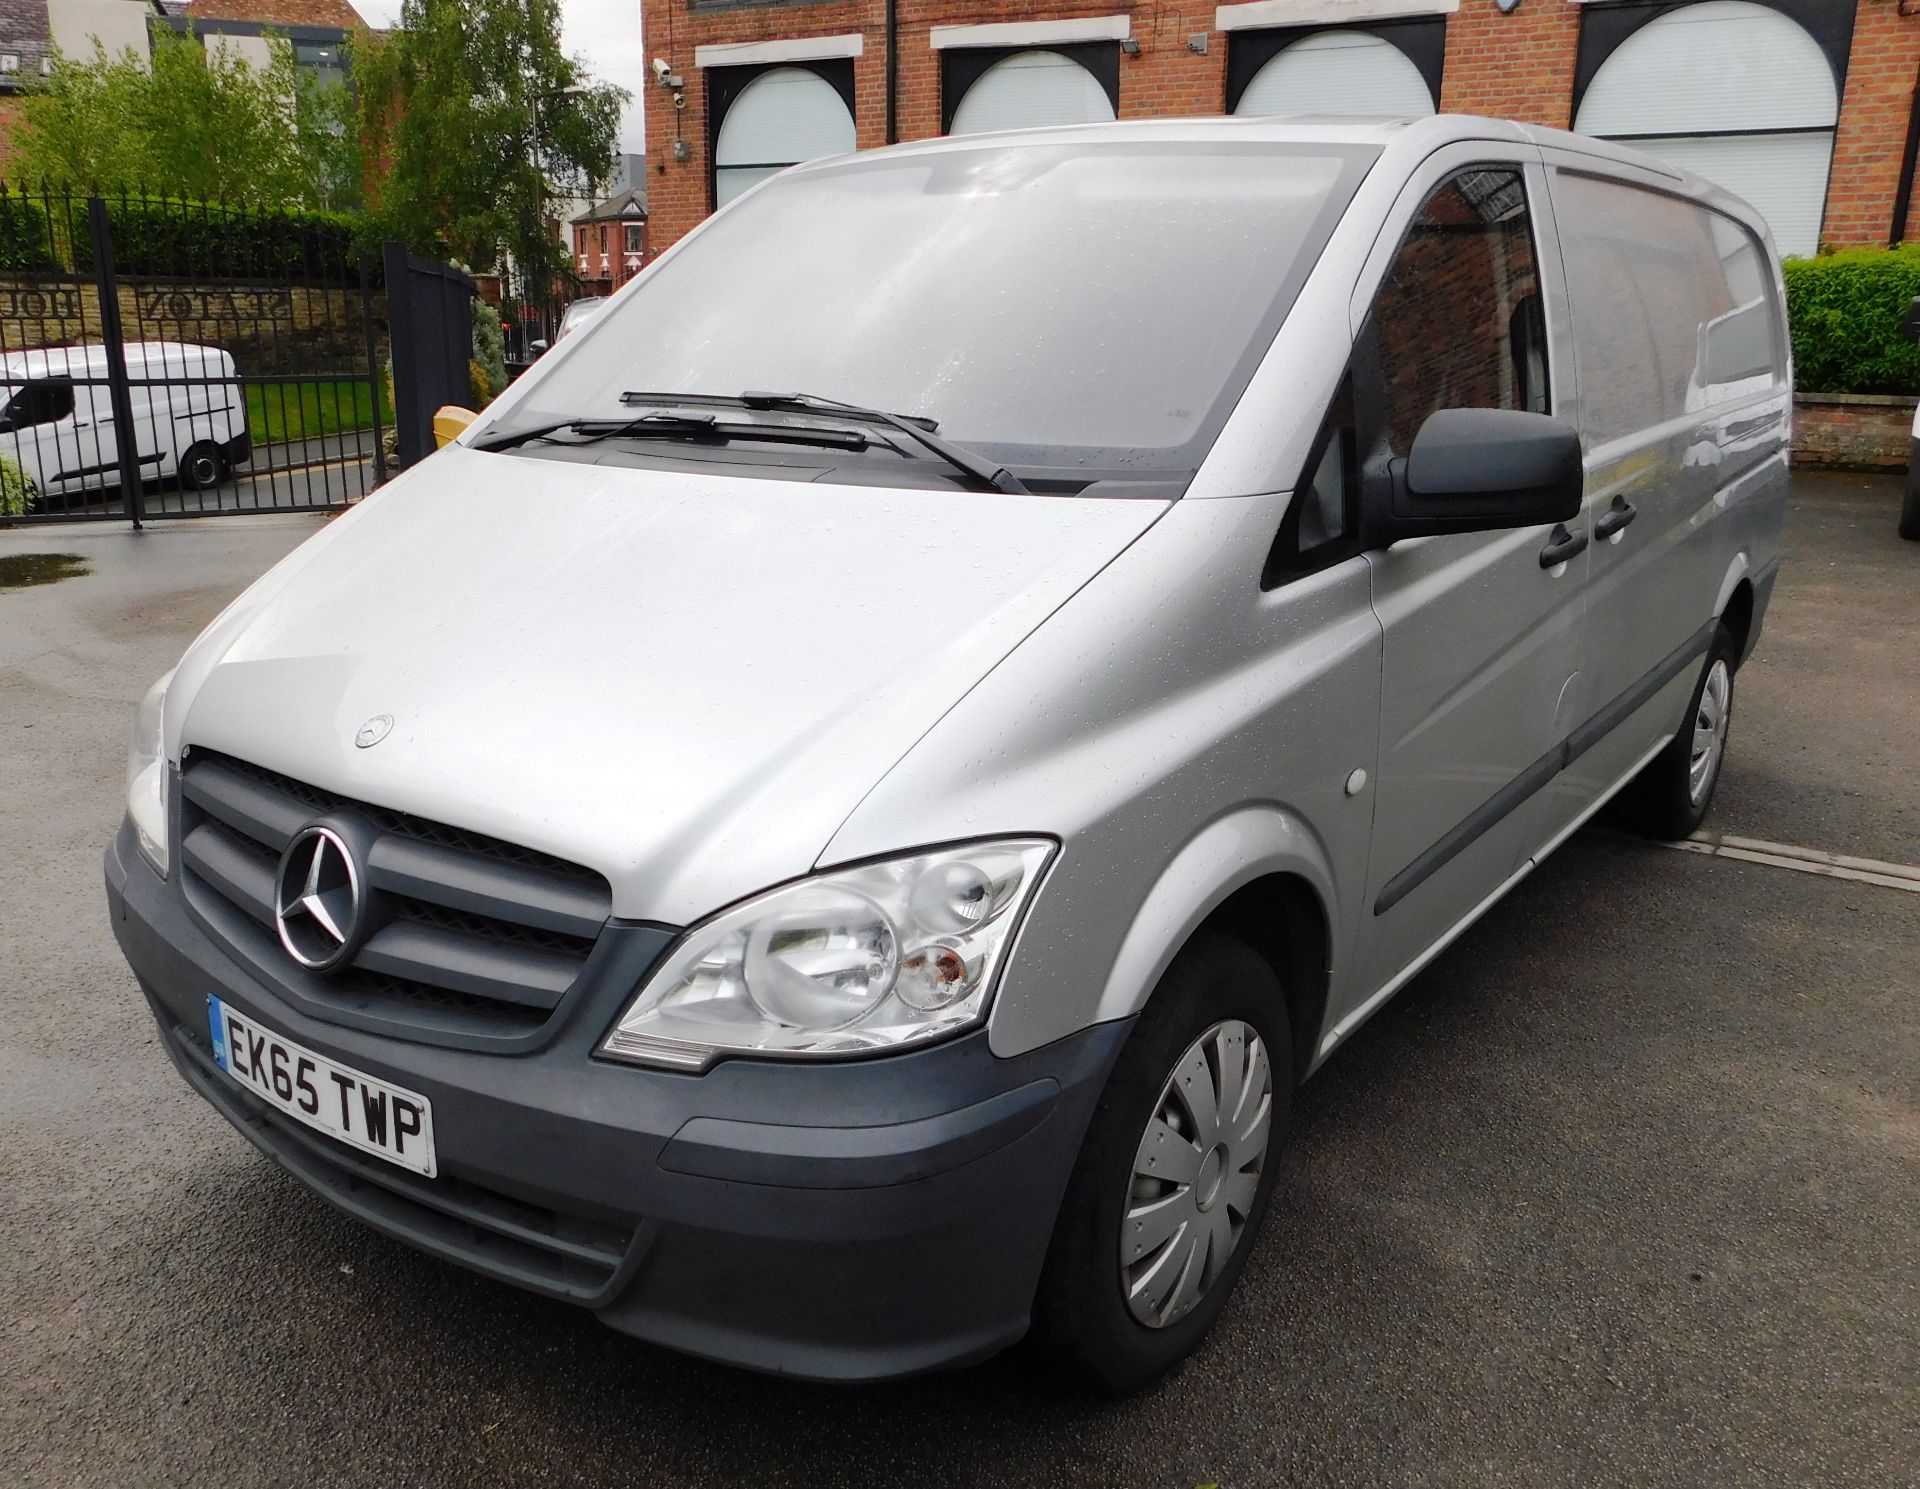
893	81
1903	198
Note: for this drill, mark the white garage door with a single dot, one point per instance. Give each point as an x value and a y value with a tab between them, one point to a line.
779	119
1735	91
1030	90
1339	72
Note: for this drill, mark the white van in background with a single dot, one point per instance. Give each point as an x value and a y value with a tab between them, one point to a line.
56	421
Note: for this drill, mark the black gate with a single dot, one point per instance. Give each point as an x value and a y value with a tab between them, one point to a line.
432	344
161	358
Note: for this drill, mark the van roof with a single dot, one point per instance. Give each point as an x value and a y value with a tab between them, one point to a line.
1409	139
91	361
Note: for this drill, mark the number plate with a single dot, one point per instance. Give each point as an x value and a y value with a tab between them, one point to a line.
366	1113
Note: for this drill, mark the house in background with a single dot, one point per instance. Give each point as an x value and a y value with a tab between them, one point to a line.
31	31
610	238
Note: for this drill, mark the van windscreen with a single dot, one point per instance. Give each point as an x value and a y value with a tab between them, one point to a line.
1098	306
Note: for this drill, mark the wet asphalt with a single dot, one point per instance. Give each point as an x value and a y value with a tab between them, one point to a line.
1625	1189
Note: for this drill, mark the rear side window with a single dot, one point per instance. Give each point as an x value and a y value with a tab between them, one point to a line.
1672	306
1458	316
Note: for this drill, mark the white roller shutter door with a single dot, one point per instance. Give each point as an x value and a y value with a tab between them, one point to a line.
1349	73
1031	90
779	119
1736	92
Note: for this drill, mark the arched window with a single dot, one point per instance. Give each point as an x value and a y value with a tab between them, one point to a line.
1029	90
784	116
1734	91
1338	72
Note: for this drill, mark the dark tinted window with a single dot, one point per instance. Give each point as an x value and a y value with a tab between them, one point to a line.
1458	317
38	403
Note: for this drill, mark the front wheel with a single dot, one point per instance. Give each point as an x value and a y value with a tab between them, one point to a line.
1176	1172
1669	799
200	467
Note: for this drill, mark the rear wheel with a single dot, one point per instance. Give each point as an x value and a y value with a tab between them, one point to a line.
1669	799
1176	1172
201	466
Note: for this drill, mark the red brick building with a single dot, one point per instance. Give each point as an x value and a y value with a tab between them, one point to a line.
1807	107
610	241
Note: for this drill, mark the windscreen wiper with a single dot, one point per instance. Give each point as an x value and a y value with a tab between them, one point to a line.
982	474
680	426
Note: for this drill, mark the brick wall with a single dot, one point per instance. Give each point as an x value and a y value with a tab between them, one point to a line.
1858	432
1518	65
1873	125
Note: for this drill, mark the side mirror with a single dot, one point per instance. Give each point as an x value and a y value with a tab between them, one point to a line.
1476	469
1911	325
538	346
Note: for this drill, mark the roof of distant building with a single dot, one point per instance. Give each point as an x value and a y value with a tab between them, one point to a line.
631	205
325	13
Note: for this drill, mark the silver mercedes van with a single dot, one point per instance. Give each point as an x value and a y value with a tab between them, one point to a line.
828	826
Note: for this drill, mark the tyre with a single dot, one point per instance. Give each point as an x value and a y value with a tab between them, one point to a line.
1669	799
1176	1171
201	466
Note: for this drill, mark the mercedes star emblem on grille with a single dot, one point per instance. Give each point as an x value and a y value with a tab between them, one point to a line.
373	731
318	901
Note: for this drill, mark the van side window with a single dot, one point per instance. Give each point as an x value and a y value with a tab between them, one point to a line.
1672	301
38	403
1458	317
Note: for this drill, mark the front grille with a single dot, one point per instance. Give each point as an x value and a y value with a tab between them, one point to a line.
477	939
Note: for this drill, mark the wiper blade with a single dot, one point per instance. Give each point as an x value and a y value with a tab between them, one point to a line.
982	474
680	426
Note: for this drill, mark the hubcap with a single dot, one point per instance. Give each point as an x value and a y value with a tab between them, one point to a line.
1195	1173
1709	731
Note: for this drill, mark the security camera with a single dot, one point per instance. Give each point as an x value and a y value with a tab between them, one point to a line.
661	67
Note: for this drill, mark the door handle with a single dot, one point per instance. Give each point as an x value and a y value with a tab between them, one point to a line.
1561	546
1615	518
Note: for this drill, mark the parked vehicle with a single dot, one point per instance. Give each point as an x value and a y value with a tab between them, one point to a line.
580	312
56	415
829	832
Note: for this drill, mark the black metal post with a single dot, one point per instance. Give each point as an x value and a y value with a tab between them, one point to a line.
893	72
114	338
407	368
1903	198
374	370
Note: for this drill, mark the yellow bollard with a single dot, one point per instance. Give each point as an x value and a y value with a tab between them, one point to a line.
448	423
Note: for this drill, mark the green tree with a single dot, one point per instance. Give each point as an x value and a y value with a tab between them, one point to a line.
483	121
195	121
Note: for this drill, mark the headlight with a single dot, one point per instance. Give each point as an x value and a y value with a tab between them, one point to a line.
887	954
147	776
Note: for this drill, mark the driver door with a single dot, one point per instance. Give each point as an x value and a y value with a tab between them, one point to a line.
1481	631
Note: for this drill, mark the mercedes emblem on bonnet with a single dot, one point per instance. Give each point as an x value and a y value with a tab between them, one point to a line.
319	899
373	731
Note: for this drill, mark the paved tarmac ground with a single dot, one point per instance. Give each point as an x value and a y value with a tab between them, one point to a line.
1625	1189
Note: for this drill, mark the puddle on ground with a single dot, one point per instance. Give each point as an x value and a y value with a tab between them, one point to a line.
23	570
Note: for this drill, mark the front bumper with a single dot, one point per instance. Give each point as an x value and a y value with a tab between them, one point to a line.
838	1221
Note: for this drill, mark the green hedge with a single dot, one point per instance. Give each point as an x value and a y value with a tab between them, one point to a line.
195	240
1846	311
26	238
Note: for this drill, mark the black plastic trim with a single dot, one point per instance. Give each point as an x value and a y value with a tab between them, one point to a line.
1543	770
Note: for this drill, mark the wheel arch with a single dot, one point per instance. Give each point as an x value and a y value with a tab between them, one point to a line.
1734	606
1260	875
